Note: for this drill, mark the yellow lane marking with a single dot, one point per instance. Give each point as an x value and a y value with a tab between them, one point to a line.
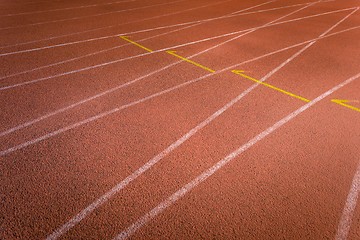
135	43
189	61
241	73
344	104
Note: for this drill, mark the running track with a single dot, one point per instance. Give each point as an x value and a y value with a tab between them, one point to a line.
208	119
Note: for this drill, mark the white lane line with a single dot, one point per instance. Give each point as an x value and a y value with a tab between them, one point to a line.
7	87
212	170
230	15
349	208
34	121
104	198
68	8
46	136
91	16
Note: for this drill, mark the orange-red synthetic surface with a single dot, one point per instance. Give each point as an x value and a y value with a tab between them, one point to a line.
106	134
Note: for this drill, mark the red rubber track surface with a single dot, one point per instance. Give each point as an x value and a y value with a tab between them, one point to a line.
63	146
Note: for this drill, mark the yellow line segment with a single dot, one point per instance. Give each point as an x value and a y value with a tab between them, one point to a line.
189	61
343	103
135	43
241	73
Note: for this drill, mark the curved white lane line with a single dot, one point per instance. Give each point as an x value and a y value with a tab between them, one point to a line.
90	16
68	8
